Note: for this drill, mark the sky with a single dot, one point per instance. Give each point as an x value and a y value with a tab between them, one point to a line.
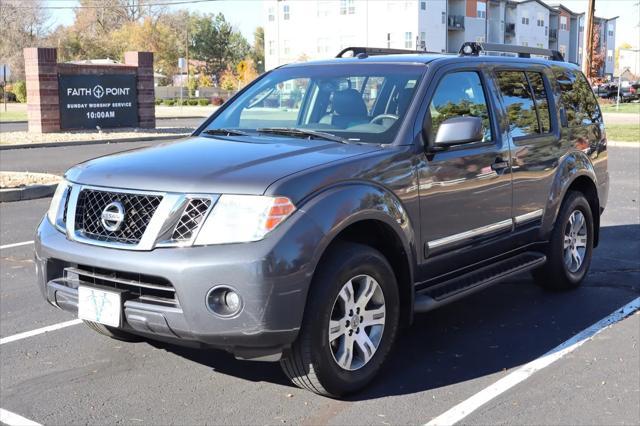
246	15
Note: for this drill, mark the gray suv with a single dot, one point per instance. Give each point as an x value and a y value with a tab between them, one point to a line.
313	214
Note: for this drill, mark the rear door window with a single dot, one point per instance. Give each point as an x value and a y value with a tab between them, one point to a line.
526	101
518	100
542	102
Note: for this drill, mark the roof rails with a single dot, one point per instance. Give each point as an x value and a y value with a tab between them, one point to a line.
373	51
471	48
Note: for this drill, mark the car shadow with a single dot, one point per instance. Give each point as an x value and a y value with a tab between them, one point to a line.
493	331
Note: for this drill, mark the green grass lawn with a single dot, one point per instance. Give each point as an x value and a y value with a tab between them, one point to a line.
628	107
12	115
623	132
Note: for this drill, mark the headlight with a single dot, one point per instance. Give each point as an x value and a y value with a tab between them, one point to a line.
243	218
54	214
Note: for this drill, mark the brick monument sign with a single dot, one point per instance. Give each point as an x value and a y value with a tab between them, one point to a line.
63	96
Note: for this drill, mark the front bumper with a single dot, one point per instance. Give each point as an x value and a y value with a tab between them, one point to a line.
272	276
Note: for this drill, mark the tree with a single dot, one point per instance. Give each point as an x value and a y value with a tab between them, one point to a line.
151	36
216	42
20	28
598	53
257	50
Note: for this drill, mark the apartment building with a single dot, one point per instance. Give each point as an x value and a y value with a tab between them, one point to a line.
315	29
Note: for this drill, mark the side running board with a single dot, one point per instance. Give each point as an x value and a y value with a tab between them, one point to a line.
456	288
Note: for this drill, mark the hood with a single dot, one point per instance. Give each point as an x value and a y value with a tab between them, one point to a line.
212	165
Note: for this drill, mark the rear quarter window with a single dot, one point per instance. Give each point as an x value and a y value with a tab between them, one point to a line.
577	98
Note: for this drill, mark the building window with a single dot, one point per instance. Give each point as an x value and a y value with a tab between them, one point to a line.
388	40
525	43
444	18
481	9
563	23
540	45
271	15
285	47
347	7
480	39
423	5
525	20
408	42
581	28
610	32
609	55
286	12
271	49
323	8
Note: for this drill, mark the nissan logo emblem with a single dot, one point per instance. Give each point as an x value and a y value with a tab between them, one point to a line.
112	216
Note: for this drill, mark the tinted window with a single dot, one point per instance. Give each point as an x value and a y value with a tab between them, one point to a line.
577	98
518	101
542	102
459	94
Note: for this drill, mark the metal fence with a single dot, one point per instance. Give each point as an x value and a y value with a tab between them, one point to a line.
174	92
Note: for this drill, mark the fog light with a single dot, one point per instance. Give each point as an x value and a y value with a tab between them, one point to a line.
232	300
224	301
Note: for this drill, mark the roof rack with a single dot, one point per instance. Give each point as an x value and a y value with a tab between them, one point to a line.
472	48
373	51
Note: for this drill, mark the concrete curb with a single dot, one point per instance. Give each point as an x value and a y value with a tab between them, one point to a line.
27	192
93	142
186	117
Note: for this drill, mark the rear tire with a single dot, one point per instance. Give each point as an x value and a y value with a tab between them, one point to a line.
112	332
570	248
320	359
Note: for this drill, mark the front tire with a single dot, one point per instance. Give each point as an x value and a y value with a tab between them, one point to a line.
350	322
571	246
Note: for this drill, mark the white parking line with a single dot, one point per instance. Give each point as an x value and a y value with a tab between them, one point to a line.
462	410
37	331
13	419
24	243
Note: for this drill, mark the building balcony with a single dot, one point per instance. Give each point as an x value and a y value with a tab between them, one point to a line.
553	34
455	22
510	29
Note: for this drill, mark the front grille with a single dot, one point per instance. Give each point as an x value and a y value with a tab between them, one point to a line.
146	288
191	218
138	211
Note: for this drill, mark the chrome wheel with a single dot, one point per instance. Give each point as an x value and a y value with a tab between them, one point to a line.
575	241
357	322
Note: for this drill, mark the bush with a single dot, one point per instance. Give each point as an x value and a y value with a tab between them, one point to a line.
193	102
168	102
203	102
183	102
158	101
20	90
217	100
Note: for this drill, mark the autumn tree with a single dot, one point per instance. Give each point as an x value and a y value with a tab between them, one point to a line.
20	27
257	52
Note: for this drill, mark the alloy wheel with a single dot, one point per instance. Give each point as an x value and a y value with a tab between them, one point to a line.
575	241
357	322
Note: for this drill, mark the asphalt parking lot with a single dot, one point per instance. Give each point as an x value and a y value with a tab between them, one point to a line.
74	376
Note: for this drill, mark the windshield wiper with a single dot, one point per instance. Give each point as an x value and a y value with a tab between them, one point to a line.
226	132
297	132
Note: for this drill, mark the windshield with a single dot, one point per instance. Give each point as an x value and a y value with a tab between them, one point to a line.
353	102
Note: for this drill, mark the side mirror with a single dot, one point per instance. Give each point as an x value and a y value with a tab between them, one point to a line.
459	130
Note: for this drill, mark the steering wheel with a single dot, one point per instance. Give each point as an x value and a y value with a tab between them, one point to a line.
383	117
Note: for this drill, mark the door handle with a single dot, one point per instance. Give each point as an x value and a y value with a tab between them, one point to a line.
499	165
